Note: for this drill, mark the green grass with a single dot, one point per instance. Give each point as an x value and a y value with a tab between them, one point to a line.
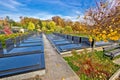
48	32
92	65
81	35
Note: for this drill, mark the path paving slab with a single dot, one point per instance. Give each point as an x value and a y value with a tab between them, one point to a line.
117	61
117	73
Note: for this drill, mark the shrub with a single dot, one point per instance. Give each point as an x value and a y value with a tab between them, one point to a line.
5	37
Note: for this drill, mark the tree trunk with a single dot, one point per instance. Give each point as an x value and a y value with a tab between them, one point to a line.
93	44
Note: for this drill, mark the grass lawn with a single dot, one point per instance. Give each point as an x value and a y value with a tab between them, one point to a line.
92	65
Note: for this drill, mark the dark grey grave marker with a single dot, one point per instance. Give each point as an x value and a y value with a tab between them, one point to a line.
86	40
76	39
69	37
9	44
1	49
17	41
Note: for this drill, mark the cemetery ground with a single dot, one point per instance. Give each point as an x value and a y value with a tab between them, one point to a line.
88	65
43	44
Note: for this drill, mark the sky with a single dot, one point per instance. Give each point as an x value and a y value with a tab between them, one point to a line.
44	9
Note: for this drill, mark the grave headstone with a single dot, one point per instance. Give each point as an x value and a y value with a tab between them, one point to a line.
9	44
65	36
85	40
76	39
17	41
1	49
69	37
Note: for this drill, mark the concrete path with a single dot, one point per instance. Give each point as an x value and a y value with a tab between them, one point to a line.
117	73
117	61
56	67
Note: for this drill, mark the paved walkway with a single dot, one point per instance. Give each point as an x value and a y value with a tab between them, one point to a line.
117	73
56	67
117	61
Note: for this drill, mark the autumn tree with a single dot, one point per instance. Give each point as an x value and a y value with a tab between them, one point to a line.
68	30
59	29
25	21
59	21
76	27
105	19
31	26
51	26
68	22
44	25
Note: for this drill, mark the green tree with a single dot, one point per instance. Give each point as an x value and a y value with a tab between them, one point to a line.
44	28
51	25
68	29
31	26
44	24
58	29
40	24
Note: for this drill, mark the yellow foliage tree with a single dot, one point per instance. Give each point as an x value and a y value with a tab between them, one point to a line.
103	23
31	26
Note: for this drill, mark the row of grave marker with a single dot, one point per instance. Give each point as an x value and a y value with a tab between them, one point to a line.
13	42
76	39
21	61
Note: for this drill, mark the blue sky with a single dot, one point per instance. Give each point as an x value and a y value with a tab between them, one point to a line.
44	9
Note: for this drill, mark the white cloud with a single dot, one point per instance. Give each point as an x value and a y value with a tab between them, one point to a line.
71	5
74	3
12	16
45	15
52	1
7	5
13	2
77	12
10	4
40	15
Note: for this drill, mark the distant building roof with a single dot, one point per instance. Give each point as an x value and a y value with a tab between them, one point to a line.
14	27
